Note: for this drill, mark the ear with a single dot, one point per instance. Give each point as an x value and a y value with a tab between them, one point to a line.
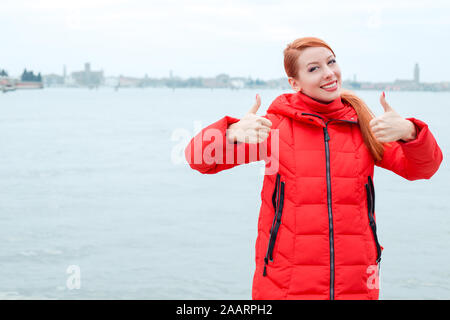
294	84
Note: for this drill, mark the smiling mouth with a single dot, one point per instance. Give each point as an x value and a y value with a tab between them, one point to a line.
330	85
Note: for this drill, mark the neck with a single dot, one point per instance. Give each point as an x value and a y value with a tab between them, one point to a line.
319	101
320	107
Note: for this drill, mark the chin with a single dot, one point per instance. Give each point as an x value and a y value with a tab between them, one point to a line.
330	96
327	98
324	96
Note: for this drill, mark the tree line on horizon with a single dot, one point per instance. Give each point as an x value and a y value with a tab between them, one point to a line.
30	76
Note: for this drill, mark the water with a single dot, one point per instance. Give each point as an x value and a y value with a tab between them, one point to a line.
90	178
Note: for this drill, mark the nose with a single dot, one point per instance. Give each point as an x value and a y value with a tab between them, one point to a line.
328	73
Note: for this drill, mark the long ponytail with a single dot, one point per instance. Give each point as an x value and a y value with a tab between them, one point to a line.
364	116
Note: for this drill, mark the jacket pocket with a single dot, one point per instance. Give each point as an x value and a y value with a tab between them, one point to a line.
277	201
370	191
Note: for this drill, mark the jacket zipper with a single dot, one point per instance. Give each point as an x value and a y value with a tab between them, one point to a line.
330	212
278	201
370	190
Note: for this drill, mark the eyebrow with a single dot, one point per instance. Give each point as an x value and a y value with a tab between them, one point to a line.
317	62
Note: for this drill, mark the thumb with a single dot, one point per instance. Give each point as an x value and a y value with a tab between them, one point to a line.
256	106
385	105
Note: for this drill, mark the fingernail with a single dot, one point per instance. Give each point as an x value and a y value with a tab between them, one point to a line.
384	96
256	96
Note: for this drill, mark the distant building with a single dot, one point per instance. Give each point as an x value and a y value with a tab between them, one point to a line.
415	80
53	80
111	81
128	82
407	84
237	83
6	83
28	80
416	73
88	78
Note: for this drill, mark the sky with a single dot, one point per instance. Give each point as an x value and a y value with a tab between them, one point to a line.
373	40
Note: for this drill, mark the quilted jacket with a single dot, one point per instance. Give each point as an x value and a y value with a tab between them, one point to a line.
317	235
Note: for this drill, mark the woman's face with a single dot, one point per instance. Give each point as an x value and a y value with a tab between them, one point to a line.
319	76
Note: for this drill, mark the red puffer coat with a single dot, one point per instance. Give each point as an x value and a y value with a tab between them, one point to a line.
316	230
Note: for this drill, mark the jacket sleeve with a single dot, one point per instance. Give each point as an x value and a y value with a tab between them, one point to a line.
416	159
210	151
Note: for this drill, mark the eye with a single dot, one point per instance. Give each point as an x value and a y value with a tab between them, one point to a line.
329	62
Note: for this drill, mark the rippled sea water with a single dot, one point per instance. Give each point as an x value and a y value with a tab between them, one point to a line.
96	179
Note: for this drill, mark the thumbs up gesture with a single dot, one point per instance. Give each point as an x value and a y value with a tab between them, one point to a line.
390	126
251	128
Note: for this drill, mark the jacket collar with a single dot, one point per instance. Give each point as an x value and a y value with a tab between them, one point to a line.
301	107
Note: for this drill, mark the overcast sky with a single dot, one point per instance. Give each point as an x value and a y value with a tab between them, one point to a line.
376	40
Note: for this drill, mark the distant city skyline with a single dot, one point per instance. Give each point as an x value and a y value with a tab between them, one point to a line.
89	78
377	41
65	73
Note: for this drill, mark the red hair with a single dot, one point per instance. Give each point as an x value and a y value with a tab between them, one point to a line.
291	55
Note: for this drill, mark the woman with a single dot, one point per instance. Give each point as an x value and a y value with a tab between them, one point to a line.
317	236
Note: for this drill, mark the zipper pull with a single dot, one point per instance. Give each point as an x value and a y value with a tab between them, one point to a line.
265	264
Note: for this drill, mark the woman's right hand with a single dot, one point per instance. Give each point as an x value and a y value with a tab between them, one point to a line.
251	128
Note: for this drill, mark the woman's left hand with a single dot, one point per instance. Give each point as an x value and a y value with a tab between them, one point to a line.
390	126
